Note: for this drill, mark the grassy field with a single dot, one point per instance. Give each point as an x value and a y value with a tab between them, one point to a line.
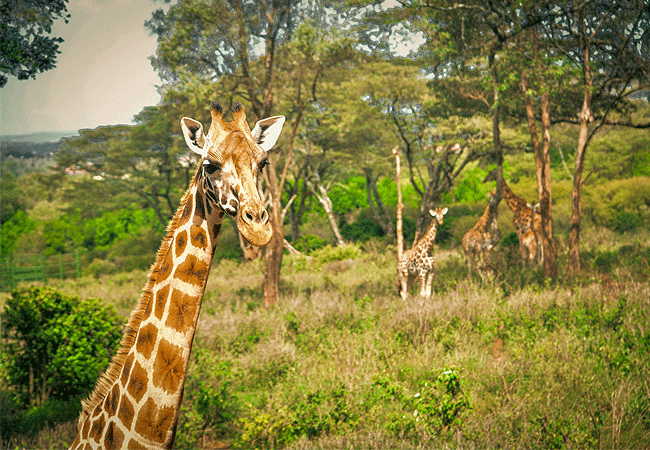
342	362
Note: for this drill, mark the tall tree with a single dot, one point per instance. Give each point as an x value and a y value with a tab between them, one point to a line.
235	44
609	44
26	44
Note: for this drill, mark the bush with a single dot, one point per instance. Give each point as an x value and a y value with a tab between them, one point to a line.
309	242
362	229
56	345
330	254
625	221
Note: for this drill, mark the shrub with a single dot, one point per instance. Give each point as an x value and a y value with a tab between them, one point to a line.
625	221
331	254
56	345
362	229
309	242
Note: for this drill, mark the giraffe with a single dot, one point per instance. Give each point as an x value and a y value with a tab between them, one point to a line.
481	238
417	261
526	221
136	402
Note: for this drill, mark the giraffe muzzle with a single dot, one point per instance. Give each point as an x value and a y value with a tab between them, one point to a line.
253	224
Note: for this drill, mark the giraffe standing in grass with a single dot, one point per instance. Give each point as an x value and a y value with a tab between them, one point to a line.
479	241
137	400
418	262
526	222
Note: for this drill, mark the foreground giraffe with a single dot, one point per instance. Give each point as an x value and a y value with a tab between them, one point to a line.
136	402
418	262
479	240
526	221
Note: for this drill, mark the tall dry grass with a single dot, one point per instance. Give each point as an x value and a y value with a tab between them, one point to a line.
343	362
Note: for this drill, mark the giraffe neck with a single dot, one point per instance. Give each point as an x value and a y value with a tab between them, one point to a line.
137	401
429	237
514	202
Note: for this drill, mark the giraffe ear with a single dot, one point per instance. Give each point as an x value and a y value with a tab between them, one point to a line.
194	137
432	212
444	211
267	131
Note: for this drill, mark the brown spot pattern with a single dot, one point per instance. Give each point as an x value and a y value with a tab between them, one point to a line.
125	412
97	428
181	242
165	267
192	271
198	237
111	401
85	430
161	300
114	437
187	210
199	211
154	422
126	369
183	309
135	445
147	299
146	340
137	382
169	367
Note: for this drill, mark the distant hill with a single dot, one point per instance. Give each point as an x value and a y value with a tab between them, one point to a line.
40	137
32	145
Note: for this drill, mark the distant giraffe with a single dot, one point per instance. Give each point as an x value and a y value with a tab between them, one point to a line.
418	262
136	402
479	240
526	222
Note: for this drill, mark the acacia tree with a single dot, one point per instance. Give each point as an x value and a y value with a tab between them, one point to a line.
609	45
26	47
235	44
142	161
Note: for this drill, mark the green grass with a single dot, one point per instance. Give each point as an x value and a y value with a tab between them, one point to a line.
343	362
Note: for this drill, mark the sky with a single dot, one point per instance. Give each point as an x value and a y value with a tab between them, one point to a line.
103	74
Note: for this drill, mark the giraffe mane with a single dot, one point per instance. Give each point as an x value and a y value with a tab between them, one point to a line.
114	369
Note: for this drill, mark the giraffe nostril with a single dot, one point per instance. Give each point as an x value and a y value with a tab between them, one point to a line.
264	216
249	217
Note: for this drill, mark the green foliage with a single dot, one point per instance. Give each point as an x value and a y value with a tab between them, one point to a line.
349	196
361	229
209	403
308	243
56	345
469	188
632	257
27	47
18	225
332	254
626	221
9	193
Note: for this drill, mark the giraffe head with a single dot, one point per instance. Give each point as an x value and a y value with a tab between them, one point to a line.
437	214
232	157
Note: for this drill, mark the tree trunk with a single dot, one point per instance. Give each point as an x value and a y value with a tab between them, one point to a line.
296	212
583	140
547	241
379	213
326	203
274	249
398	224
498	152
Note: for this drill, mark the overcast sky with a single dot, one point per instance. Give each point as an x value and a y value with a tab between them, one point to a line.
103	74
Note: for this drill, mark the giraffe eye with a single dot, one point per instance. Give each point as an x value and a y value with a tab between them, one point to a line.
263	164
211	167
